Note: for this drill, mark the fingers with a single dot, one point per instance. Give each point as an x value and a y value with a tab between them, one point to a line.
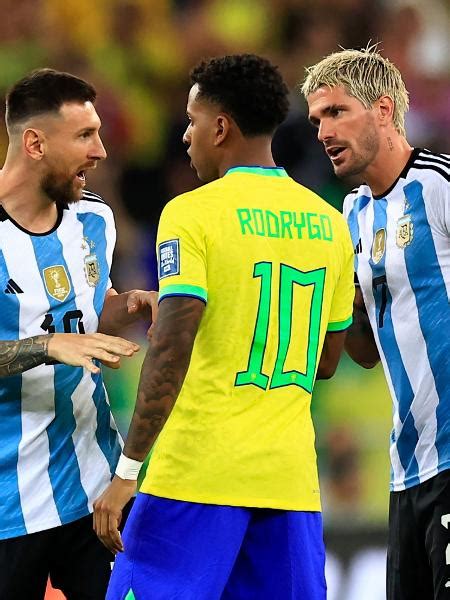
89	365
106	526
79	350
115	346
111	364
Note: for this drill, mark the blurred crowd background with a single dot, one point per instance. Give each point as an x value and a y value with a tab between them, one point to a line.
138	54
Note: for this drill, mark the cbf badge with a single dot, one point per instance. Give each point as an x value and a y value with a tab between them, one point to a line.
169	258
405	231
379	245
92	269
57	282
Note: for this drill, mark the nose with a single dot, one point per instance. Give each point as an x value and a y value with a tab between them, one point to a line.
325	131
187	136
98	151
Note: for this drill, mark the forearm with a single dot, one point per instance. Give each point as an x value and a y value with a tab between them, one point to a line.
360	343
18	356
163	372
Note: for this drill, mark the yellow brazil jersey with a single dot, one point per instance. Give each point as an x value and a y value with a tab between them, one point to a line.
274	264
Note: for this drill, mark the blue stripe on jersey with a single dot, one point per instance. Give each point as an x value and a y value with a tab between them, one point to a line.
352	219
64	471
94	228
408	437
107	437
11	517
433	308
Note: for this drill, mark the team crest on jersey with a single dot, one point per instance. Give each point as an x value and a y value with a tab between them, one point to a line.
379	245
91	269
169	258
57	282
405	231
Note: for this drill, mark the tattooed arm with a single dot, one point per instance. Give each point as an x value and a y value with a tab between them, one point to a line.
360	343
163	372
18	356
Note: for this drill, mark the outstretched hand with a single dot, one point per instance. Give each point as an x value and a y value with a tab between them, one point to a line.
79	350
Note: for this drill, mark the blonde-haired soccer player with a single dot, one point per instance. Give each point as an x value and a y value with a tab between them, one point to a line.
399	219
256	291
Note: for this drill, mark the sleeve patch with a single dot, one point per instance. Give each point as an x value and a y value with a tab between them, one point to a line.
169	258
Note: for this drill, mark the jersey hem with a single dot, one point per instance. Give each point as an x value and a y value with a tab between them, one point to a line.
408	483
247	502
14	532
340	325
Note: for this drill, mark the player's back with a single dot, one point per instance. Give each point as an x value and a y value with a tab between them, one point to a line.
273	262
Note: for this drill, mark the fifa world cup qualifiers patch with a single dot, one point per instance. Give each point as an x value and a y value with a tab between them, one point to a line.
169	258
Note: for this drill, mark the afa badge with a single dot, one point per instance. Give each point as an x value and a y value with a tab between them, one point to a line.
169	258
91	269
57	282
405	231
379	245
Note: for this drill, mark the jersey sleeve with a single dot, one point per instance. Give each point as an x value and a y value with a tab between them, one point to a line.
344	293
181	252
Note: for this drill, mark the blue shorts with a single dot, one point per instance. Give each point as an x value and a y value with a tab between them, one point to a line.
187	551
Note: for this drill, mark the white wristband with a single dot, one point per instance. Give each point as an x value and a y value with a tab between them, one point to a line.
127	468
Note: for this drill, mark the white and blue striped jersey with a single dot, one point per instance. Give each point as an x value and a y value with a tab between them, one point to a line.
402	261
59	443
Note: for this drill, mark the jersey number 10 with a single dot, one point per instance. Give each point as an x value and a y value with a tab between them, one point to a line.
289	276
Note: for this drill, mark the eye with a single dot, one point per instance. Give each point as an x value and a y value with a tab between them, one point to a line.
336	111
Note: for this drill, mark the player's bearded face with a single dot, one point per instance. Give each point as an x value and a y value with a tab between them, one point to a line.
60	188
361	149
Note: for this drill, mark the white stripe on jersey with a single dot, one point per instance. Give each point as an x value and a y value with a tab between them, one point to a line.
34	452
90	457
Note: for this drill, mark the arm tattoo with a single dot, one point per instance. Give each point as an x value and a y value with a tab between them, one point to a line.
163	371
17	356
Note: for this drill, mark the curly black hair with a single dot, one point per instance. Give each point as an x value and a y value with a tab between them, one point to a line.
247	87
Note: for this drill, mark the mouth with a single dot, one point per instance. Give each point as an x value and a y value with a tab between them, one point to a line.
81	176
335	153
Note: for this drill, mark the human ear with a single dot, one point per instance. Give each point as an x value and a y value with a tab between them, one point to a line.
222	129
385	106
33	143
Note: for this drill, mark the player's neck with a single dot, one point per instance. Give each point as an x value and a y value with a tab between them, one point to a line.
251	152
22	199
388	164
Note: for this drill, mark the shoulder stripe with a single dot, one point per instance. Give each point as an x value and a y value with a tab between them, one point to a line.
434	161
90	196
431	167
428	153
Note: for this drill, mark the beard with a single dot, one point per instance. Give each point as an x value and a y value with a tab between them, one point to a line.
59	189
368	145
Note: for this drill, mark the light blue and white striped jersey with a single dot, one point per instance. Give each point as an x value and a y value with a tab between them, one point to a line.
59	443
402	261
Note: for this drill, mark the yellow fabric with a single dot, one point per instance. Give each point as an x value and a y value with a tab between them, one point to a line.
234	437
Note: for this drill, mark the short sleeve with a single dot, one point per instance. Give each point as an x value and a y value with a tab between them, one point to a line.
344	293
181	251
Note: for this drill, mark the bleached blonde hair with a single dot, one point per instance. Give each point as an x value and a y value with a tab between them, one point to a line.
365	75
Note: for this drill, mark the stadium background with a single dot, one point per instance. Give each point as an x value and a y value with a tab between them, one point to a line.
138	54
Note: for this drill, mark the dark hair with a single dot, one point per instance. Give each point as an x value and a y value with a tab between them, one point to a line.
249	88
43	91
